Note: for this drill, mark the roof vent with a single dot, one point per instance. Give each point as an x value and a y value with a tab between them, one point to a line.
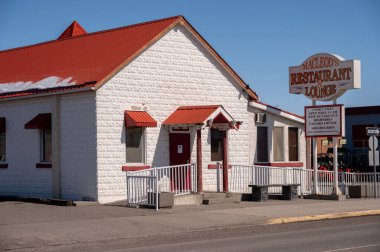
75	29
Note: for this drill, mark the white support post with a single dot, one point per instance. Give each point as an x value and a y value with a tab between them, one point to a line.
336	190
218	176
157	199
315	161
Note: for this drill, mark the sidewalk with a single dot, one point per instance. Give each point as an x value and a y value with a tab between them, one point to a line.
26	225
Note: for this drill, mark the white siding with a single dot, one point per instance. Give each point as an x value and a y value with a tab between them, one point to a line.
22	178
78	148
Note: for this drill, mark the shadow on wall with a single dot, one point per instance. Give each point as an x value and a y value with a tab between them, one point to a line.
161	151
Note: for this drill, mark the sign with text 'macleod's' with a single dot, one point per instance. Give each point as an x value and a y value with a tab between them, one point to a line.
324	77
324	121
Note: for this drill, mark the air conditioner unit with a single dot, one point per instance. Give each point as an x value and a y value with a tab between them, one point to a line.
260	118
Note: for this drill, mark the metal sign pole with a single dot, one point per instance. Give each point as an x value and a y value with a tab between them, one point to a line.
374	165
315	160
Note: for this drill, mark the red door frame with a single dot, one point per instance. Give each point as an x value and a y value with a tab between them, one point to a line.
176	139
225	162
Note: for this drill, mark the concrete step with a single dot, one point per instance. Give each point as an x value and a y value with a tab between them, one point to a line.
212	195
221	198
213	201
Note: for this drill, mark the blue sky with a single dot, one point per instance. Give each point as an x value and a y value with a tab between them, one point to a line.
259	39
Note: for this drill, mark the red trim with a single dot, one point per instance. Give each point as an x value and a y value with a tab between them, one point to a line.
282	164
213	166
225	162
134	167
41	121
3	166
341	119
199	160
138	119
43	165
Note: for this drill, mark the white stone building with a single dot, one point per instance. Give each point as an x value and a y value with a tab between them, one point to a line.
79	111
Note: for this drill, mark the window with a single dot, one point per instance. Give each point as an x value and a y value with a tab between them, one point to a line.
2	140
359	135
217	144
46	145
293	143
262	144
278	144
135	145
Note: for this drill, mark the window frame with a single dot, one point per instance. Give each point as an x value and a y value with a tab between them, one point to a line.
274	144
143	141
267	145
220	141
298	144
43	146
5	147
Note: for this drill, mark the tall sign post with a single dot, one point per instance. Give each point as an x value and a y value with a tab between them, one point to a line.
373	153
324	77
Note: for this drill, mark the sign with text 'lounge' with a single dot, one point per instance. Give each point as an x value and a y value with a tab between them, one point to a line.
324	121
324	77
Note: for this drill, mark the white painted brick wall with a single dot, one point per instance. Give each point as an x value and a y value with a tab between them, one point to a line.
78	146
175	71
22	178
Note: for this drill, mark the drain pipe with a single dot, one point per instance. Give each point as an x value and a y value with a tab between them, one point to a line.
56	146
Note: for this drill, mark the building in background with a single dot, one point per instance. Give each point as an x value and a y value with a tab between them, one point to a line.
353	149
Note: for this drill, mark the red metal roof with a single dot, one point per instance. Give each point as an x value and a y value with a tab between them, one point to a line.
73	30
90	58
85	58
41	121
190	115
139	119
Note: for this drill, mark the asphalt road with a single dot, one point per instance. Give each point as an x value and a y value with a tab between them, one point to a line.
353	234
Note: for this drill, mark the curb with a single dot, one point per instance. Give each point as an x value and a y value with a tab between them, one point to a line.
322	217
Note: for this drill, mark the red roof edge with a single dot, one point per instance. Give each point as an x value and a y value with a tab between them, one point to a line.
281	110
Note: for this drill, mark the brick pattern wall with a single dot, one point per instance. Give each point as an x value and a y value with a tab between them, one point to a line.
175	71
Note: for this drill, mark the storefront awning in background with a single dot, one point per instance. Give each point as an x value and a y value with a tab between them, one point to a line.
201	115
41	121
2	125
139	119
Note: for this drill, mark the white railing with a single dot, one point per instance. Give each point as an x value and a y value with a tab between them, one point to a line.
240	176
142	186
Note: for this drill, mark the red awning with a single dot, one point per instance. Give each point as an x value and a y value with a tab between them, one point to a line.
139	119
2	125
191	115
41	121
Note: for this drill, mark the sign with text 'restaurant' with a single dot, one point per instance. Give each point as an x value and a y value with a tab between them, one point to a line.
324	77
323	121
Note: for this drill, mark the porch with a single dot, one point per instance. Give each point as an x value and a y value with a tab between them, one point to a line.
144	187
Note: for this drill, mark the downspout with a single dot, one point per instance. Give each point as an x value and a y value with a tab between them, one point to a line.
56	146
